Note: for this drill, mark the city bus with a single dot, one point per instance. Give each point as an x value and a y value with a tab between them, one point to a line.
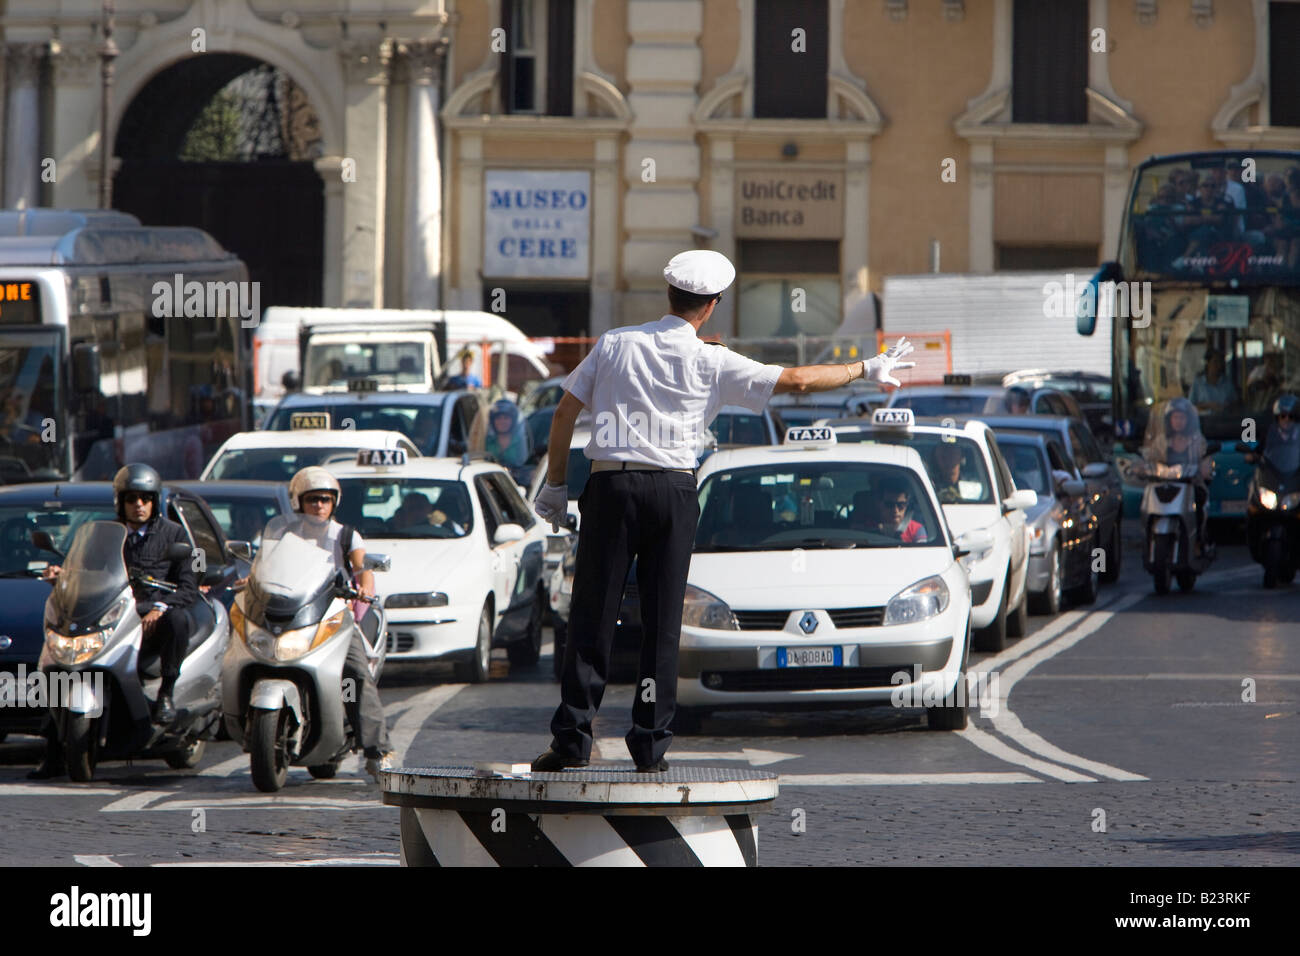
1204	301
118	343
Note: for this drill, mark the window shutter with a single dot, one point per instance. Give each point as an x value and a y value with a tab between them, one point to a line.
559	58
1284	64
790	85
1049	61
507	83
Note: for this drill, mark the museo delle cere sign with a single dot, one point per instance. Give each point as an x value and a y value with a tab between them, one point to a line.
537	224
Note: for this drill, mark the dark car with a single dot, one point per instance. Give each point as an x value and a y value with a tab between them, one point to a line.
59	509
1098	471
626	653
242	508
1091	390
439	423
976	401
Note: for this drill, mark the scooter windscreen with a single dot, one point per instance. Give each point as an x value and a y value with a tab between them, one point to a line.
94	576
291	583
1173	436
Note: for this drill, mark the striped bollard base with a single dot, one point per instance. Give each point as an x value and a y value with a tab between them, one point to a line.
689	816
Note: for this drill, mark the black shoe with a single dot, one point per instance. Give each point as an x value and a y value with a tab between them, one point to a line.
659	767
164	711
50	766
552	761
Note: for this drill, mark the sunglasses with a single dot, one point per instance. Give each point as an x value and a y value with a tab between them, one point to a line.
131	497
899	505
1285	416
317	499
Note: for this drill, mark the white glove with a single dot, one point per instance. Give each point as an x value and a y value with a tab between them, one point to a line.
552	504
878	367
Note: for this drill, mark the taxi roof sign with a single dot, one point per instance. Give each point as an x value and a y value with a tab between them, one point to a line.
810	435
299	420
362	385
893	418
957	378
380	457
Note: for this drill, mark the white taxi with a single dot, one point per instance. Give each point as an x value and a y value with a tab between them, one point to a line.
466	555
976	490
823	574
279	455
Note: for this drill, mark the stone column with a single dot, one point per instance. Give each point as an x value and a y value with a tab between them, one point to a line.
664	67
330	169
981	255
75	110
23	126
364	170
422	264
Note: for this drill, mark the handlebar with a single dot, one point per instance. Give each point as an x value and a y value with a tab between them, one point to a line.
152	582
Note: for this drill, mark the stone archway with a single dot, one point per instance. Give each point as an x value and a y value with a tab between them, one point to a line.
226	142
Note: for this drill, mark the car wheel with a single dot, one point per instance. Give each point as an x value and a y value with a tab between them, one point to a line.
1018	620
994	637
527	652
951	715
475	670
1049	602
1113	555
561	631
1086	593
80	747
187	756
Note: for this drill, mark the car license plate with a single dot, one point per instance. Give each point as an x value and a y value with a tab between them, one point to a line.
809	657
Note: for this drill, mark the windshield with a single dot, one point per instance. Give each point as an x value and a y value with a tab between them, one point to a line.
391	363
1230	354
420	423
295	562
94	573
1026	463
956	465
274	464
950	403
832	505
1199	218
32	423
731	428
17	522
406	507
1173	435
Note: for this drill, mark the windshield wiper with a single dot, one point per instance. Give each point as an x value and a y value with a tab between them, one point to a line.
20	574
826	543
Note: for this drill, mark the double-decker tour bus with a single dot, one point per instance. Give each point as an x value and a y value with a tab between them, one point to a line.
1204	300
118	343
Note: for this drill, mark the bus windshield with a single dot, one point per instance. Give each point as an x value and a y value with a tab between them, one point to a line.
31	427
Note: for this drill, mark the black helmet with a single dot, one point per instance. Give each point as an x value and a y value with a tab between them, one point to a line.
1286	405
137	477
1018	395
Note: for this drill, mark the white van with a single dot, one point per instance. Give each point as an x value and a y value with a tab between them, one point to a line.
275	343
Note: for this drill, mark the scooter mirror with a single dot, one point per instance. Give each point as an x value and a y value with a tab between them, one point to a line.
179	552
43	541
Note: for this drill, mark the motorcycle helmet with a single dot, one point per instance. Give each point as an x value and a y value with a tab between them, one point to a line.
1286	404
504	407
139	478
1018	397
312	478
1186	409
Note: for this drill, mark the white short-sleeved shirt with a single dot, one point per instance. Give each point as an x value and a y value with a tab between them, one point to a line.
652	390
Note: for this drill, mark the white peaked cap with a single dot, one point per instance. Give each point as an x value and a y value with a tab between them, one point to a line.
701	271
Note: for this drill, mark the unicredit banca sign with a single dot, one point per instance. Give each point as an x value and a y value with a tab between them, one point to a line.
537	224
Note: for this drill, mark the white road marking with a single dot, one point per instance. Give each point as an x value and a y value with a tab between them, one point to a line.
53	790
422	707
607	748
227	768
135	801
900	779
1009	725
374	859
994	747
1235	678
265	801
90	859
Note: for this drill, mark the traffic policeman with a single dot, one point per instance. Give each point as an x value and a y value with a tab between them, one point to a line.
652	390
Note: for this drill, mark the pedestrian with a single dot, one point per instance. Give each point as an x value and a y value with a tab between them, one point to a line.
651	389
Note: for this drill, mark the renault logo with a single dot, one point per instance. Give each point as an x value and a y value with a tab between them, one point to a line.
5	642
808	623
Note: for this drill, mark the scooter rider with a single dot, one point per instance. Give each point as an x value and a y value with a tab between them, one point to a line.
1181	443
166	617
314	493
1282	441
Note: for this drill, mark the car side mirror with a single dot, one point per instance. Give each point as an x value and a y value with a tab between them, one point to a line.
1096	469
44	542
377	562
1073	488
973	542
507	533
85	368
1020	498
243	550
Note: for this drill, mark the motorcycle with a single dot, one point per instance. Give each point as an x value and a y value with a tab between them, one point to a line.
1273	518
92	628
282	678
1175	544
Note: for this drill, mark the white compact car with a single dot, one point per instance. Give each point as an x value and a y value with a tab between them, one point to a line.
824	574
278	456
466	552
977	492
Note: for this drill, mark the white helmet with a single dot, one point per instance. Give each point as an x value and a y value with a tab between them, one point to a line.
312	478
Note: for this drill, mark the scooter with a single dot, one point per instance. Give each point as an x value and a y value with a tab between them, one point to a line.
92	628
284	695
1273	518
1175	544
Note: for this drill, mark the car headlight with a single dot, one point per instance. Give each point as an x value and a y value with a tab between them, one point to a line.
416	599
291	644
1291	501
1037	539
702	609
69	650
1268	498
922	600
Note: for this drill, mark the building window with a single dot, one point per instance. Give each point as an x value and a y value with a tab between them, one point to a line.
1049	61
1040	258
537	67
1284	64
790	68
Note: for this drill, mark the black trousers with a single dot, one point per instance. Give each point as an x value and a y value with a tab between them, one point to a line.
650	516
169	637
